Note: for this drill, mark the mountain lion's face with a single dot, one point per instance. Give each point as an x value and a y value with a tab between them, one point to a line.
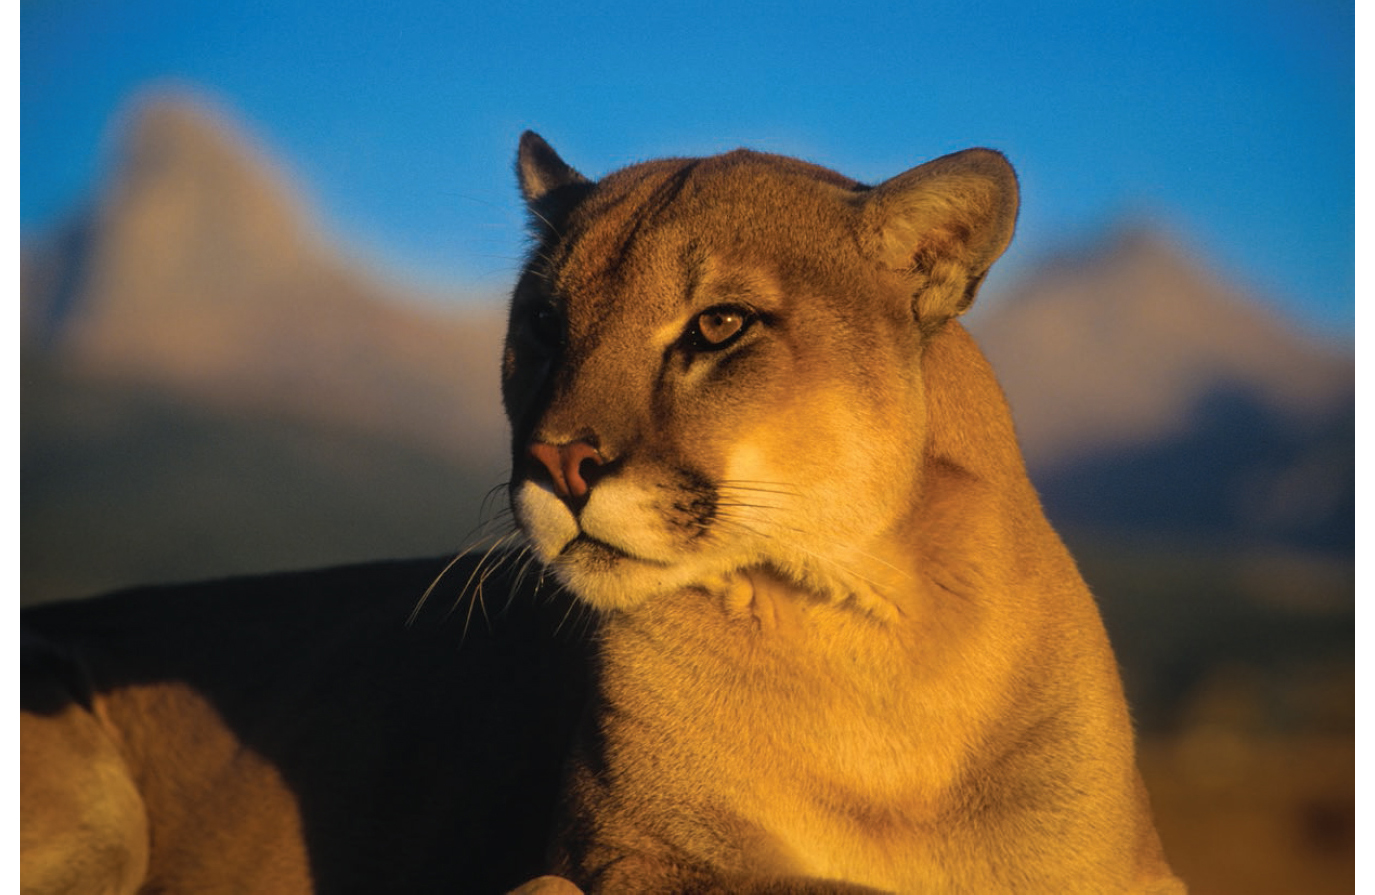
707	370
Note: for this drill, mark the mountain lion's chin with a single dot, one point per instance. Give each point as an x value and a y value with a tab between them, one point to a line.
609	580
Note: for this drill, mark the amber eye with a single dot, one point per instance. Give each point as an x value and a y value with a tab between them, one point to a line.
718	327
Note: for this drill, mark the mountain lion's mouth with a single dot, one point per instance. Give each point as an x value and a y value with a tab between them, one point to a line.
586	548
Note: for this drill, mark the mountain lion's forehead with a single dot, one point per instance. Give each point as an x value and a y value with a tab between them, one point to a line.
742	179
667	219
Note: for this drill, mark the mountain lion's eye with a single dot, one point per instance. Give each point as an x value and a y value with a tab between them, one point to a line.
546	324
715	328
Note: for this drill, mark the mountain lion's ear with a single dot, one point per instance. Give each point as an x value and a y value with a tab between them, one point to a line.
550	186
540	170
943	223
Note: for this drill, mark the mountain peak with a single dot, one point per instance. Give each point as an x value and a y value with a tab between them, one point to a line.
163	131
178	142
1121	342
194	227
188	178
200	272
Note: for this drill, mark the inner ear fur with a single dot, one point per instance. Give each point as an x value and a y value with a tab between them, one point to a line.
550	186
942	224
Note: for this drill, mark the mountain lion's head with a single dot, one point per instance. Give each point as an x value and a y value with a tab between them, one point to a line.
712	364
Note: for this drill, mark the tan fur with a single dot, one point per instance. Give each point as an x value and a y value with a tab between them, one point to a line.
83	827
839	646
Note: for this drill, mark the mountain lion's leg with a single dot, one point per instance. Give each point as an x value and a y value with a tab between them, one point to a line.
82	822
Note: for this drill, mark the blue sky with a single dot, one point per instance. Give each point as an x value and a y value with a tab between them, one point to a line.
1231	123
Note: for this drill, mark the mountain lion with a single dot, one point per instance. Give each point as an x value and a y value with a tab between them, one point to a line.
839	644
812	631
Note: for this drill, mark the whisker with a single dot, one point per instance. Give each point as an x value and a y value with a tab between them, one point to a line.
528	563
585	624
520	561
738	526
420	604
475	599
480	535
548	223
476	200
573	605
762	487
736	505
730	514
493	495
487	572
481	572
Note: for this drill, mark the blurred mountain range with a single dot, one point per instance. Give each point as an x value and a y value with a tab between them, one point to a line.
1151	395
210	386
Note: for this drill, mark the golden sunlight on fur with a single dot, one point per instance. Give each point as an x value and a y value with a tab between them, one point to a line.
839	646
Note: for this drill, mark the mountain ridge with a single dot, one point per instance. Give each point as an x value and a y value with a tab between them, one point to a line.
199	270
1119	344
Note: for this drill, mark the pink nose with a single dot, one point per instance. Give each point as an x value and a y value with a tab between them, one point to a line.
565	465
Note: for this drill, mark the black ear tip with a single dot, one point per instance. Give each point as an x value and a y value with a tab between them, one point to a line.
539	169
532	142
534	152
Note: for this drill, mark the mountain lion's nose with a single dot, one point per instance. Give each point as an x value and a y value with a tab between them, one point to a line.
567	465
